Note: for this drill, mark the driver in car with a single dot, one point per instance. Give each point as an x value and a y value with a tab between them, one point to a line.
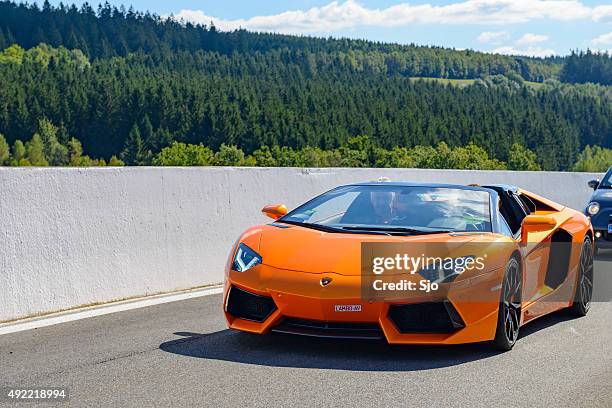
383	206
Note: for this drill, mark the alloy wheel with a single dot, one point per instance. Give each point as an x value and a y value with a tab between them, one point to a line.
511	303
585	287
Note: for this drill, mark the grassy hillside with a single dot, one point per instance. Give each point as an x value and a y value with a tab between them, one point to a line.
110	31
129	84
466	82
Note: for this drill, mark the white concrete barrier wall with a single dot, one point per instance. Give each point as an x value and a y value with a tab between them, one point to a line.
71	237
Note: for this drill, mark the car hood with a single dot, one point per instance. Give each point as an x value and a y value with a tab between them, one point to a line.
307	250
602	196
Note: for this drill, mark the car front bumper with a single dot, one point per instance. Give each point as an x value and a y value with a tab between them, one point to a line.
272	299
603	239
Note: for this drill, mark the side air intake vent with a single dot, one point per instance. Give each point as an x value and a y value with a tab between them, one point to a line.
558	259
429	317
249	306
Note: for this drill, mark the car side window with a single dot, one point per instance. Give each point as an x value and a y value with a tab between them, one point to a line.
528	205
512	210
504	228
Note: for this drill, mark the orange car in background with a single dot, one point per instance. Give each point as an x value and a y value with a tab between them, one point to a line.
411	263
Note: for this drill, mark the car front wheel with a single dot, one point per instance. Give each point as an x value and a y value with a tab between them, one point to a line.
509	315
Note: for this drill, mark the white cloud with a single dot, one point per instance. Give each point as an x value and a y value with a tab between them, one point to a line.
494	37
529	51
348	14
530	38
602	14
604	39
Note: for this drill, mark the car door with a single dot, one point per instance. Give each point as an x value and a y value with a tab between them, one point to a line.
514	209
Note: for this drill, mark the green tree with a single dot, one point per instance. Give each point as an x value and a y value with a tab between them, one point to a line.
443	157
163	138
594	159
135	152
85	161
285	156
115	162
35	151
521	158
75	152
149	137
55	152
181	154
399	157
19	154
356	152
315	157
472	157
5	153
229	156
263	157
12	55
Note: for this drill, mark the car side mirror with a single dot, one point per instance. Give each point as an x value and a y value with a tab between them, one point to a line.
275	211
593	184
536	223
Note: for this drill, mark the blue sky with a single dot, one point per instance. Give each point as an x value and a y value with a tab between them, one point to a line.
529	27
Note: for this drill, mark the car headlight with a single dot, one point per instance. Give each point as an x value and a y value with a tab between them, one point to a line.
593	208
245	259
447	269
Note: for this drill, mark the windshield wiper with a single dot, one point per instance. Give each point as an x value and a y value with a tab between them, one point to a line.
400	230
319	227
327	228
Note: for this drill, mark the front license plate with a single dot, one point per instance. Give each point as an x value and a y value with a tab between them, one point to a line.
348	308
609	228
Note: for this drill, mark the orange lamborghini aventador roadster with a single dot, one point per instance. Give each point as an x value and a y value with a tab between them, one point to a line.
411	263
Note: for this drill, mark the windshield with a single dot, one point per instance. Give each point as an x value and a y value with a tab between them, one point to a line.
393	208
606	182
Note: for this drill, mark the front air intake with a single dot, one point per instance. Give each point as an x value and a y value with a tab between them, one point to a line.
314	328
249	306
429	317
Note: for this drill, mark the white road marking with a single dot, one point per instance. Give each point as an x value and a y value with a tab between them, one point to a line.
108	308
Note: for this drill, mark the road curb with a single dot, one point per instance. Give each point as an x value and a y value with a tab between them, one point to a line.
104	309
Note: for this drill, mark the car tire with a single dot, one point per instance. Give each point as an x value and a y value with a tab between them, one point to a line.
509	314
584	288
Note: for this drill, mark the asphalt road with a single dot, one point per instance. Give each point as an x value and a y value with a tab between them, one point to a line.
181	354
